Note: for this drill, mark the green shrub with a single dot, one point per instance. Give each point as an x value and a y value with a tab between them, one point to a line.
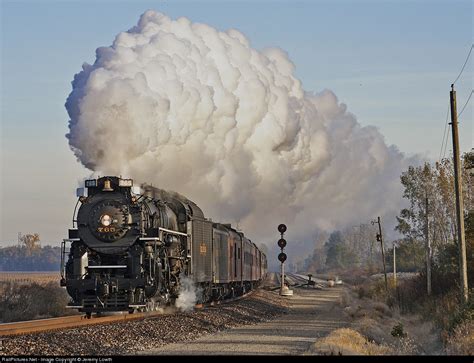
462	313
20	302
397	331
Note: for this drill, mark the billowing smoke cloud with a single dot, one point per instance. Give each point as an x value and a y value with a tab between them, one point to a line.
195	110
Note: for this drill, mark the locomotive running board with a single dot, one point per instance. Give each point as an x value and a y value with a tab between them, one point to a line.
106	266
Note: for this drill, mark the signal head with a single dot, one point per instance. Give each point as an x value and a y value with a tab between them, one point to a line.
281	243
282	257
282	228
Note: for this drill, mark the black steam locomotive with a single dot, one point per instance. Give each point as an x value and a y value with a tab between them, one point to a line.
133	246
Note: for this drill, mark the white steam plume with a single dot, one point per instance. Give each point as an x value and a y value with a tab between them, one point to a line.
195	110
188	295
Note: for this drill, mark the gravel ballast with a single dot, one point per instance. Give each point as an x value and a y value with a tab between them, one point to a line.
131	336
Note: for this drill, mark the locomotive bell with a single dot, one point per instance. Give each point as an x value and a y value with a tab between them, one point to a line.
107	187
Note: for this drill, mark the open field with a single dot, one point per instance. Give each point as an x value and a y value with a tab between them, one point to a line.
30	277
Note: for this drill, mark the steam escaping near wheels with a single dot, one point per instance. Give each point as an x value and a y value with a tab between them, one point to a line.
188	296
198	110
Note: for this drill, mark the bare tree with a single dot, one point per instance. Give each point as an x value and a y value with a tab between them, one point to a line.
31	243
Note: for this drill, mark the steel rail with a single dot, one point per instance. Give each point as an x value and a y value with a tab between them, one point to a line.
75	321
42	325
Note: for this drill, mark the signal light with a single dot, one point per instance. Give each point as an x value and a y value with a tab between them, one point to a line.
282	243
282	257
282	228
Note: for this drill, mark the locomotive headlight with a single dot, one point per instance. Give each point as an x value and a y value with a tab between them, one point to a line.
106	220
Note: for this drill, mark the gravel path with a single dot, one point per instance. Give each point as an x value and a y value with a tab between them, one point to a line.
134	336
312	314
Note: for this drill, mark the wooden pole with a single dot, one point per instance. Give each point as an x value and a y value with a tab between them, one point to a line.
383	253
459	200
428	251
394	267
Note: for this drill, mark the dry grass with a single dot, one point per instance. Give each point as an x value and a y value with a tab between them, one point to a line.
373	330
405	321
376	326
22	301
461	342
348	342
41	278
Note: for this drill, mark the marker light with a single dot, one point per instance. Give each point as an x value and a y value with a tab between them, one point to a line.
125	183
91	183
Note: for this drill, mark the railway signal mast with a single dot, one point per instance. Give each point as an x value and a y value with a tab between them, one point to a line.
284	291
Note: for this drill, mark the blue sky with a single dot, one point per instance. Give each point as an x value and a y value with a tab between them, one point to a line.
391	62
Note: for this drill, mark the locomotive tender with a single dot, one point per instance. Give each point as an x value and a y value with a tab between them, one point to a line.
133	246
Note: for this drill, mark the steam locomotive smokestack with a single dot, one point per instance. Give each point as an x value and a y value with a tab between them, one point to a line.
192	109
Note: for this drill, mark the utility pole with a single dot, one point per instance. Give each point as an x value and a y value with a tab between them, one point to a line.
380	238
394	266
428	250
459	200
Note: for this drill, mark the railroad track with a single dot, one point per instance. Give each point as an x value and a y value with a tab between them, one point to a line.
293	280
314	278
43	325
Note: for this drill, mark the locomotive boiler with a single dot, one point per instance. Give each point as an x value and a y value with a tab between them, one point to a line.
131	247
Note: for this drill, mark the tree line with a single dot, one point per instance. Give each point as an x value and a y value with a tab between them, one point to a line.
29	255
431	213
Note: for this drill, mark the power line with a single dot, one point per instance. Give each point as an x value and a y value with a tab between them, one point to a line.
472	45
444	133
460	113
446	143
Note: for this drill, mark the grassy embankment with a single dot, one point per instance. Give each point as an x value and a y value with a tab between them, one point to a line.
402	321
27	296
